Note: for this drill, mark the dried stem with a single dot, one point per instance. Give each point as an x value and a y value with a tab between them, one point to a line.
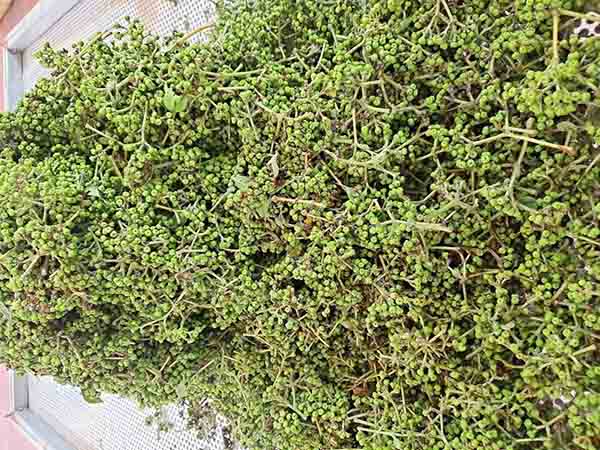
555	41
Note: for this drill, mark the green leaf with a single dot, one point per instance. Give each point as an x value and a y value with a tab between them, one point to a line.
181	390
263	209
170	100
566	126
331	91
181	104
241	182
93	191
528	201
175	103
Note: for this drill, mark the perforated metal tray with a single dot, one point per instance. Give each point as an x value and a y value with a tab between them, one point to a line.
588	28
116	423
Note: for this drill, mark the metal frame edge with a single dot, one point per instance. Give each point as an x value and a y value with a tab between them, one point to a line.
39	432
39	20
13	78
43	15
18	395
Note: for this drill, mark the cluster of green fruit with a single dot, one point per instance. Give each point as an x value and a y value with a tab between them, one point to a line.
351	224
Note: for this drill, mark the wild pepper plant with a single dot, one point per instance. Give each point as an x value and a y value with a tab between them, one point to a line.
351	224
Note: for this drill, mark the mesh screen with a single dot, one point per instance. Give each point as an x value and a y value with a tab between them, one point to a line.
116	423
588	28
89	16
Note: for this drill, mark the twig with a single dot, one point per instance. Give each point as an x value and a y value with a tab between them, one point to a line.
170	210
587	170
583	238
321	56
422	225
31	265
144	124
555	42
528	131
590	348
83	51
191	34
508	134
517	166
91	128
592	17
278	199
563	148
230	74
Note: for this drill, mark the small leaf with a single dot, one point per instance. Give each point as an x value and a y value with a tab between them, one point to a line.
181	103
330	91
263	209
274	166
181	390
93	191
566	126
242	182
528	201
170	100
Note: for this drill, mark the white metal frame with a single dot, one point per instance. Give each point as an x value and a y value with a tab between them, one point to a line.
18	393
13	77
39	20
30	424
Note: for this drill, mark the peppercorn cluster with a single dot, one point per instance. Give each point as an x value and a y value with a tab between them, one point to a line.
349	223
